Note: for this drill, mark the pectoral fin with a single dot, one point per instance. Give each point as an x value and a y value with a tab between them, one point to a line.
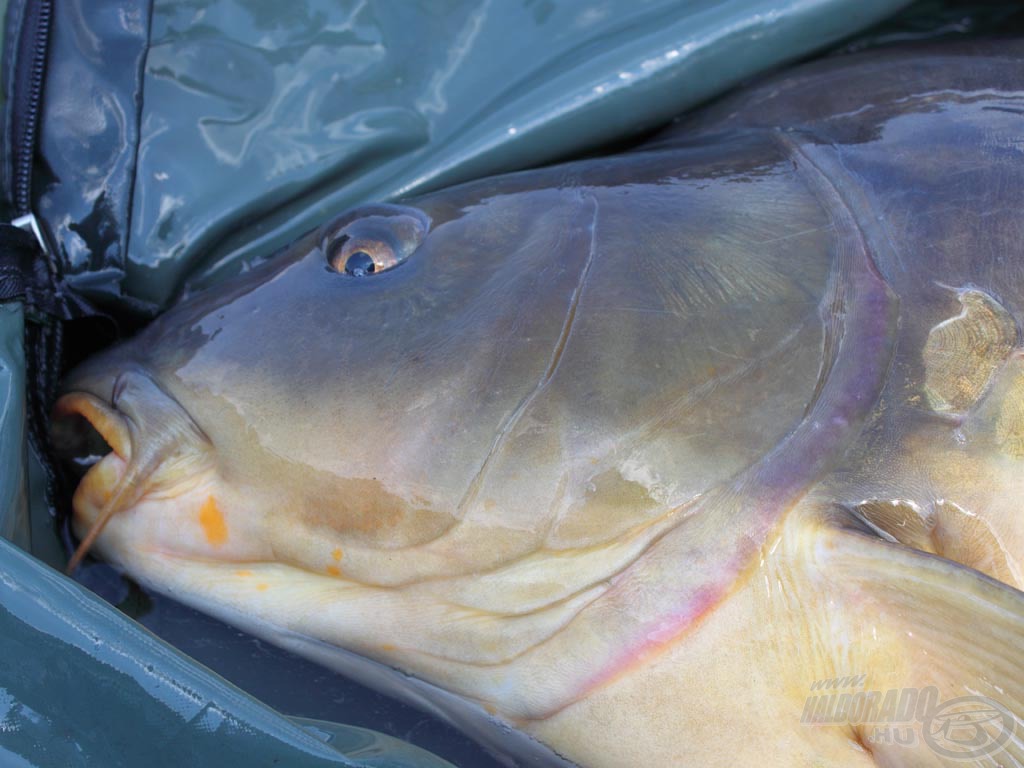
938	649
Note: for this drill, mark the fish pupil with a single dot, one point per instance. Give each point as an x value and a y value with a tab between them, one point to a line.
359	263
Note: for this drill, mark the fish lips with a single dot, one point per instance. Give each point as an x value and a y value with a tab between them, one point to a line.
132	439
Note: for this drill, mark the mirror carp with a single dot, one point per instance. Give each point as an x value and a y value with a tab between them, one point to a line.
708	453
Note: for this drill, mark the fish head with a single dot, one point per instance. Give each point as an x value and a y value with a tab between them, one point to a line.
344	395
443	434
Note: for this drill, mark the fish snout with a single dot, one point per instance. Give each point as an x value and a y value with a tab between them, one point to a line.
124	438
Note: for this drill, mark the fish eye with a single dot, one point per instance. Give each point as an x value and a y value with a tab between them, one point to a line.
360	263
360	257
373	239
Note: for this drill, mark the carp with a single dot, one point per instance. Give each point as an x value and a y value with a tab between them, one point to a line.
709	453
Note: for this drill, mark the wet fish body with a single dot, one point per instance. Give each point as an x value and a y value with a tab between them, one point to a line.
631	453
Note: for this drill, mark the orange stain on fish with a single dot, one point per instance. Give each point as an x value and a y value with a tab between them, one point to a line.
334	570
243	573
212	520
262	587
336	554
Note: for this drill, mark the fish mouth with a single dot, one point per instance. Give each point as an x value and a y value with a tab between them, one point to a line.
85	429
137	443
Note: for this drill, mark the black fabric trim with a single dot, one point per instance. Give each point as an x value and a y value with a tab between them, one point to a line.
25	276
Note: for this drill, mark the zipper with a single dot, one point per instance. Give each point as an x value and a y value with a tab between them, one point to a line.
28	89
27	263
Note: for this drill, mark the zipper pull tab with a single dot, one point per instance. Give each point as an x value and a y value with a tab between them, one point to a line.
29	224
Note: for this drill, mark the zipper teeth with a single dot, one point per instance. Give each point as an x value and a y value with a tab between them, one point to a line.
28	135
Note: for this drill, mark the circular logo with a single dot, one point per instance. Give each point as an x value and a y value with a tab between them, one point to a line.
968	727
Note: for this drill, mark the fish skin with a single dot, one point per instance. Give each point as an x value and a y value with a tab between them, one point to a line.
609	455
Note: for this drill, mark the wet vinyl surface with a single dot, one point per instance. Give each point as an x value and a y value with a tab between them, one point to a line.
280	679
